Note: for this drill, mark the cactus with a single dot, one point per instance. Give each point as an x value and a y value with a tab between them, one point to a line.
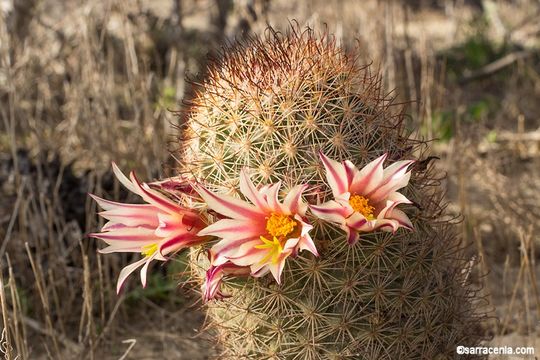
270	104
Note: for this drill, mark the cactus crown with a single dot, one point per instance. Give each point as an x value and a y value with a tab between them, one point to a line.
270	104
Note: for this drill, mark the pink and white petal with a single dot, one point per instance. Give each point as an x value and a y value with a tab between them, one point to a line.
232	269
402	218
330	211
124	180
248	189
127	234
109	205
234	228
220	261
260	272
144	269
306	243
154	197
172	224
133	216
396	170
391	186
291	244
179	242
386	225
126	271
357	221
398	198
336	175
111	225
226	249
388	206
392	201
293	201
228	205
277	269
247	254
352	235
126	244
104	203
116	248
212	283
369	177
305	227
351	171
272	195
259	269
214	278
343	200
264	189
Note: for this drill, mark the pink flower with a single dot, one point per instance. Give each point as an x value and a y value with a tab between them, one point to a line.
155	229
263	234
365	200
214	277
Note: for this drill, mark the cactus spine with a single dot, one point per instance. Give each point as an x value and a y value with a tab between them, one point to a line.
270	104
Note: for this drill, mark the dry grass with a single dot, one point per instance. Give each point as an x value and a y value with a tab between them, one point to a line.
84	83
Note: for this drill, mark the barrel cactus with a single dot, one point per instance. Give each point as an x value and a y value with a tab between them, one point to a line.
271	106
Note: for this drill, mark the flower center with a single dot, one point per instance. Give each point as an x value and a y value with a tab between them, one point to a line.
279	225
149	250
274	249
361	205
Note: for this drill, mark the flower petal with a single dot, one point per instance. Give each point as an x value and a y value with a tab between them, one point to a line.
330	211
394	199
336	175
105	204
179	242
401	218
293	200
142	215
126	271
357	221
248	189
154	197
127	234
212	283
385	224
228	205
397	169
395	177
351	172
306	243
119	248
398	198
227	248
352	235
234	228
369	177
123	179
277	269
144	272
272	198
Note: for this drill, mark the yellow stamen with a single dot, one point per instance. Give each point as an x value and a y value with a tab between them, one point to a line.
149	250
275	248
361	204
279	225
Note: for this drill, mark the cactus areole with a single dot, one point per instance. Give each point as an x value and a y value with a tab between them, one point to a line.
286	139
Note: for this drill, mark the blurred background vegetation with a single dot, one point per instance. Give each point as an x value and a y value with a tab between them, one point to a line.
84	83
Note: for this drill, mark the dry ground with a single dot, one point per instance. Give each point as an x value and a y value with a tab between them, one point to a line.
83	83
